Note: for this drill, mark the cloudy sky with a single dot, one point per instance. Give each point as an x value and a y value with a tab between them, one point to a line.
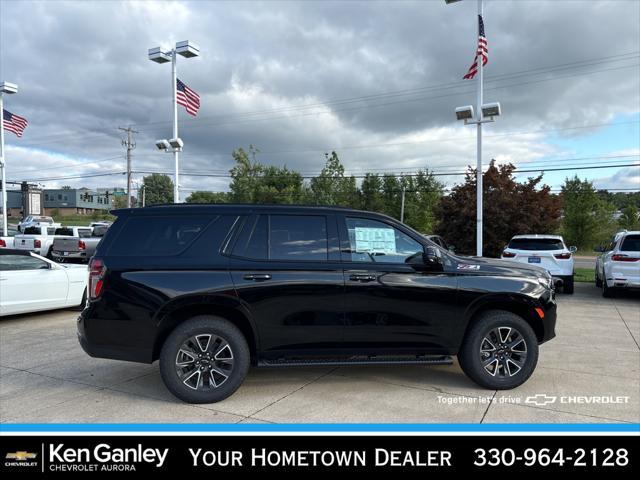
376	81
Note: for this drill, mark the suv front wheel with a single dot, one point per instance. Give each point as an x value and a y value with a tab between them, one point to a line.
499	351
204	360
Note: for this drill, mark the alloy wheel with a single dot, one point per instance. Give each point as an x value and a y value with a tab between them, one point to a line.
204	362
503	352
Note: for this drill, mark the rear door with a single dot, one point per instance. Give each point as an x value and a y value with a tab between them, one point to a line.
392	304
287	272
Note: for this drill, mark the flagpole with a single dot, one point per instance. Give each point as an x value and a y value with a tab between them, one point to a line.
174	76
479	159
2	164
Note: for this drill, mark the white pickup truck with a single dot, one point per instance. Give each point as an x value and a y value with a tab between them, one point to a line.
40	239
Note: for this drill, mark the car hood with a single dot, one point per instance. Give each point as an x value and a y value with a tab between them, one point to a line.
499	267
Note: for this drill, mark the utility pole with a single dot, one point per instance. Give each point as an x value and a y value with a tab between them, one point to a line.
402	200
129	144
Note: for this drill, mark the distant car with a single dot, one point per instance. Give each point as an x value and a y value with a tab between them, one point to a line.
31	283
618	266
7	242
40	239
438	240
36	221
78	248
546	251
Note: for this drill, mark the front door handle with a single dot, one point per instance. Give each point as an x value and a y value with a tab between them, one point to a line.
363	277
258	277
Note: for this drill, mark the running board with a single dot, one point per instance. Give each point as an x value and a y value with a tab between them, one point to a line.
359	360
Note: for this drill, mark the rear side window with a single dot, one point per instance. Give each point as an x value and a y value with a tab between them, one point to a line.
298	237
284	237
99	231
631	243
536	244
155	235
84	232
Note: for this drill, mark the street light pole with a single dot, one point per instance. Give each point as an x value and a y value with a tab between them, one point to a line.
2	165
9	88
174	79
479	159
188	50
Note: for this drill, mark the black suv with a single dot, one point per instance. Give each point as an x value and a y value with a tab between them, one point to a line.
211	289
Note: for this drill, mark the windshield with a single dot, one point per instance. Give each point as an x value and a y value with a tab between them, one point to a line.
536	244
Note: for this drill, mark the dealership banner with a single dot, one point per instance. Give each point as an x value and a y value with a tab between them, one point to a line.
52	456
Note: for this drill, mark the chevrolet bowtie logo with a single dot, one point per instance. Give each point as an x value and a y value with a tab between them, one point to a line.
21	456
541	399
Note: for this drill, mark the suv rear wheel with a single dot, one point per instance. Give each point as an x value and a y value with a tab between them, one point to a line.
204	360
499	351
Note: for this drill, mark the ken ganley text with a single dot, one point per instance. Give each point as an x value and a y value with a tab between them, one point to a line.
262	457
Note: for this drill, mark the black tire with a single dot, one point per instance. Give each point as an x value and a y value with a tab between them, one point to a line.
506	375
83	303
205	383
598	280
49	255
567	286
607	291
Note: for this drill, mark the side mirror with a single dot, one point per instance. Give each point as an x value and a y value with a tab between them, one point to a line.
573	249
431	259
598	249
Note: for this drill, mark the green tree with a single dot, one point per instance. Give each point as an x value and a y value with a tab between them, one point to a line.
201	196
588	219
422	195
370	193
119	201
332	186
158	189
629	219
509	208
245	175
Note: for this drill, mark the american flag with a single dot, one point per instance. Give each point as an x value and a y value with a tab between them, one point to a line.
13	123
186	97
481	52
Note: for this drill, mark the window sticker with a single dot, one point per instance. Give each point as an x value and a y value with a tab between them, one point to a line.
375	240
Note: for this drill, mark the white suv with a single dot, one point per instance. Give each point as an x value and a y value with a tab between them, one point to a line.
546	251
618	266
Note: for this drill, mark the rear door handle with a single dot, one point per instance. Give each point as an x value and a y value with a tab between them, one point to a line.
258	277
367	277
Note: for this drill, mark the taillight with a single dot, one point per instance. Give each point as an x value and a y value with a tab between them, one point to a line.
3	243
37	243
96	277
81	245
618	257
563	256
508	254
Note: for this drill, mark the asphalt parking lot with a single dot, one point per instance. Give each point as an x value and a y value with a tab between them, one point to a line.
46	377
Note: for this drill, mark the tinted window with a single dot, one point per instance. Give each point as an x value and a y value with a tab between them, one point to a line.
373	241
65	231
298	237
253	241
32	231
536	244
153	236
99	231
21	262
631	243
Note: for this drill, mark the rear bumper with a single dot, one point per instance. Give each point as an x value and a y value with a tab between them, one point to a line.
97	349
69	255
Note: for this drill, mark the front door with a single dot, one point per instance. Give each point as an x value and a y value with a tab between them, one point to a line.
287	272
393	302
